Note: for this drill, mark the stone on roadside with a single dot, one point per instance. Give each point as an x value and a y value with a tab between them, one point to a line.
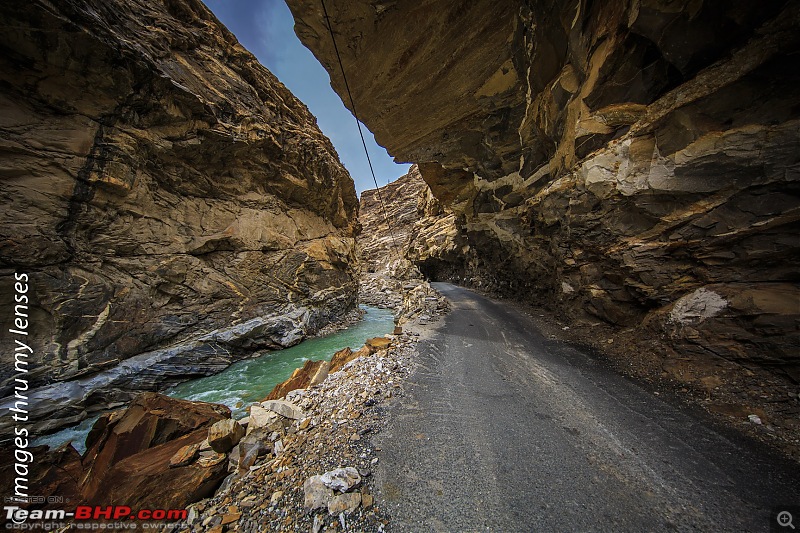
344	503
317	495
283	408
341	479
263	418
366	500
224	435
185	456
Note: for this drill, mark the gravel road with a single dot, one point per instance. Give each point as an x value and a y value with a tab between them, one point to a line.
503	429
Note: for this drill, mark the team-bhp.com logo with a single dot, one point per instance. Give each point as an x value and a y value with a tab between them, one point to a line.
97	512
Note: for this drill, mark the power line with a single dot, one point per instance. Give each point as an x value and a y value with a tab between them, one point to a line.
360	133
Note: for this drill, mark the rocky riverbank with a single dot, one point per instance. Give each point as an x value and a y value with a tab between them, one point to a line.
303	460
318	471
339	419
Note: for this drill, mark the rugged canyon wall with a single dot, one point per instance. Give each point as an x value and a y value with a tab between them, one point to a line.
411	220
633	164
383	245
172	203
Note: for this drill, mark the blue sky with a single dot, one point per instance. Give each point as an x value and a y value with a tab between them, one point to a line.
266	28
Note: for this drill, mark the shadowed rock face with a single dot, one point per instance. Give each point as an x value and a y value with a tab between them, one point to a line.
634	163
160	185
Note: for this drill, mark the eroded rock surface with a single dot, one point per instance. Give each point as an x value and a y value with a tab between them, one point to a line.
608	159
166	194
142	457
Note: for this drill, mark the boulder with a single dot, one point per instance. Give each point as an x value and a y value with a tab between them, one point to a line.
344	503
128	457
252	446
342	357
312	373
224	435
264	418
316	493
283	408
378	343
341	479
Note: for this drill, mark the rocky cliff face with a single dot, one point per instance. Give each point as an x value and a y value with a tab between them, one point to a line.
165	193
383	244
633	164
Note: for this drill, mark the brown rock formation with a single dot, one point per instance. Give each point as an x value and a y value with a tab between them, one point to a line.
312	373
128	458
381	246
634	164
342	357
158	183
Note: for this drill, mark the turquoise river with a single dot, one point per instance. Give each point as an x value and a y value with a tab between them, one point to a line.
251	380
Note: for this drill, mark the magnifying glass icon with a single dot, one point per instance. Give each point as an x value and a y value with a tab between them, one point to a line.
785	519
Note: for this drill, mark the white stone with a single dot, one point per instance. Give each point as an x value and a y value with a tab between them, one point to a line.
283	408
316	493
260	418
697	307
341	479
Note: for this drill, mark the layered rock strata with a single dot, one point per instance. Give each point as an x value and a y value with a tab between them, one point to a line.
127	461
387	217
172	203
633	164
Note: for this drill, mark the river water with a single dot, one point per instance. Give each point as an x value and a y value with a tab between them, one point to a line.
251	380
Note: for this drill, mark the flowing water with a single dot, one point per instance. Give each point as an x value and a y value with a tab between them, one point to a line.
251	380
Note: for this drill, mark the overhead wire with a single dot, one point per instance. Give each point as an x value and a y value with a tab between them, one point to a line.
360	132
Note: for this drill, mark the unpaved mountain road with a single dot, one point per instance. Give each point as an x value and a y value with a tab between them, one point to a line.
502	429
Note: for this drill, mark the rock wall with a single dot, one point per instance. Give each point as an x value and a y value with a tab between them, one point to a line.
633	164
382	245
165	194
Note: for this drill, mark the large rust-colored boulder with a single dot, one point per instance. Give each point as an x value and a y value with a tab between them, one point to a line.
342	357
145	479
131	458
128	457
312	373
